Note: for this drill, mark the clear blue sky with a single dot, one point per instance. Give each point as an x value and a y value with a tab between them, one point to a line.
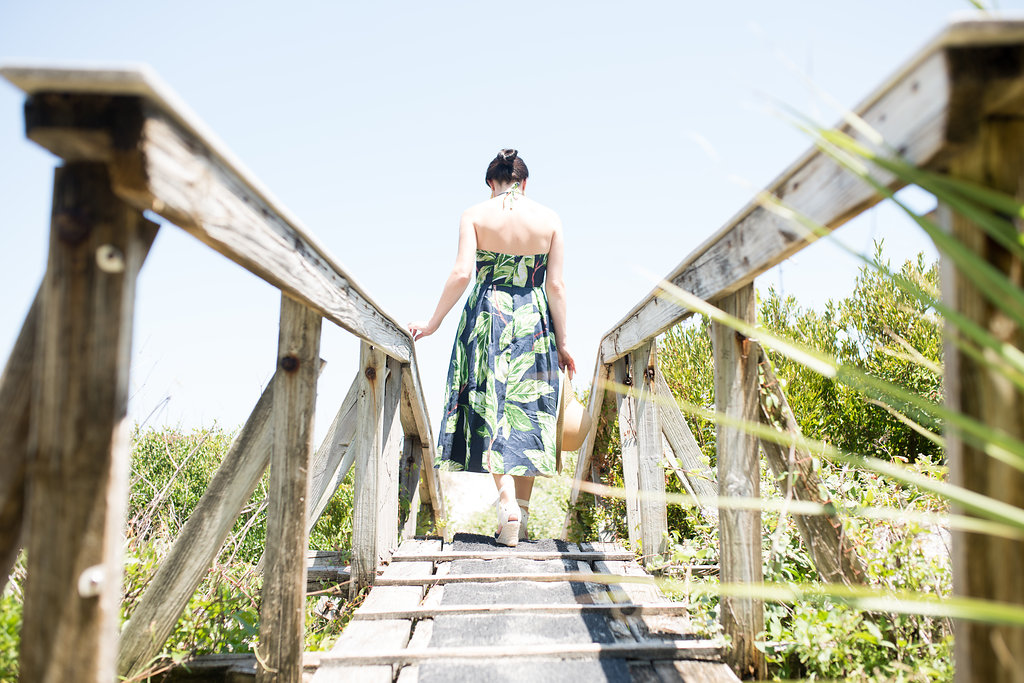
373	122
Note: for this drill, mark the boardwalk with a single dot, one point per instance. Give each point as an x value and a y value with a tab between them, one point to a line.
543	611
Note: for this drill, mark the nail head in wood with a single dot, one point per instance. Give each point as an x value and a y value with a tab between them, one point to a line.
289	363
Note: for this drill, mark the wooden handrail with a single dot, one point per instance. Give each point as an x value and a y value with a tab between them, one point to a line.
130	145
950	108
163	158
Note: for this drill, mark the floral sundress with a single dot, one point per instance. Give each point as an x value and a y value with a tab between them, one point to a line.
501	398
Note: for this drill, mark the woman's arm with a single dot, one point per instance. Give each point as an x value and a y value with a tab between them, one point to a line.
460	276
555	288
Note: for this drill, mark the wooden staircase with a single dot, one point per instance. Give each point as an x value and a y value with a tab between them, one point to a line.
545	610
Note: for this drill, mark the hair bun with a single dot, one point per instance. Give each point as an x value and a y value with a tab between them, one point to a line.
508	155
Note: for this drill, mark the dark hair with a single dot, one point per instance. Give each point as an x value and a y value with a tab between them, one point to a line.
507	167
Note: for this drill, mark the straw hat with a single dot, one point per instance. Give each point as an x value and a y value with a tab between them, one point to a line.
573	419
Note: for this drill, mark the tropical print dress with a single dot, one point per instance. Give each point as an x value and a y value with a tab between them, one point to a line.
501	398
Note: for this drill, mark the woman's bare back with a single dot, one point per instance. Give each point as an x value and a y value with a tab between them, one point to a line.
513	224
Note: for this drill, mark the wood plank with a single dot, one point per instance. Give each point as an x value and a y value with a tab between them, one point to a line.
736	396
496	578
334	458
626	405
911	115
834	555
79	442
595	402
388	472
15	399
626	609
981	563
344	664
283	599
449	555
650	472
690	671
414	547
200	540
651	649
369	434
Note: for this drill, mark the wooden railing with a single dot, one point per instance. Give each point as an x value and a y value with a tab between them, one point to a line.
955	107
129	146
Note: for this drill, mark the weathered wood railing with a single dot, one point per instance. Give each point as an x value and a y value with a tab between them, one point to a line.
956	107
129	146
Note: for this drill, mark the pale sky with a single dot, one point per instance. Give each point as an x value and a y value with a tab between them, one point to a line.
646	125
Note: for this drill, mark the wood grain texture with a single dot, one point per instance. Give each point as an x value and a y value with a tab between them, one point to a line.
15	399
736	396
200	540
626	404
389	470
369	435
650	472
182	181
834	555
283	606
78	443
983	566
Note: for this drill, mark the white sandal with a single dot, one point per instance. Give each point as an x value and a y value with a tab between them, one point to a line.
508	528
524	516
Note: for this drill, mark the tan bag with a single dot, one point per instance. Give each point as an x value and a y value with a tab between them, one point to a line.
573	423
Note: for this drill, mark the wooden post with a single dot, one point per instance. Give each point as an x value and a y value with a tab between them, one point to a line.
282	612
736	391
15	397
78	445
651	474
834	555
986	567
695	475
391	463
369	433
626	404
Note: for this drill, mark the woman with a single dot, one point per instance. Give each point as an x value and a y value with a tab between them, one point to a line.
501	398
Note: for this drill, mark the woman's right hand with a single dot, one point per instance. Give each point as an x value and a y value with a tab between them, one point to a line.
566	362
421	329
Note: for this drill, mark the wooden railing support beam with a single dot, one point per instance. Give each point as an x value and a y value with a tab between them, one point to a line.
389	471
283	606
694	474
15	397
625	375
833	553
78	444
985	567
369	434
650	472
736	391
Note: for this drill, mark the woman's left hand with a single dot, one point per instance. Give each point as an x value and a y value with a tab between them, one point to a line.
421	329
